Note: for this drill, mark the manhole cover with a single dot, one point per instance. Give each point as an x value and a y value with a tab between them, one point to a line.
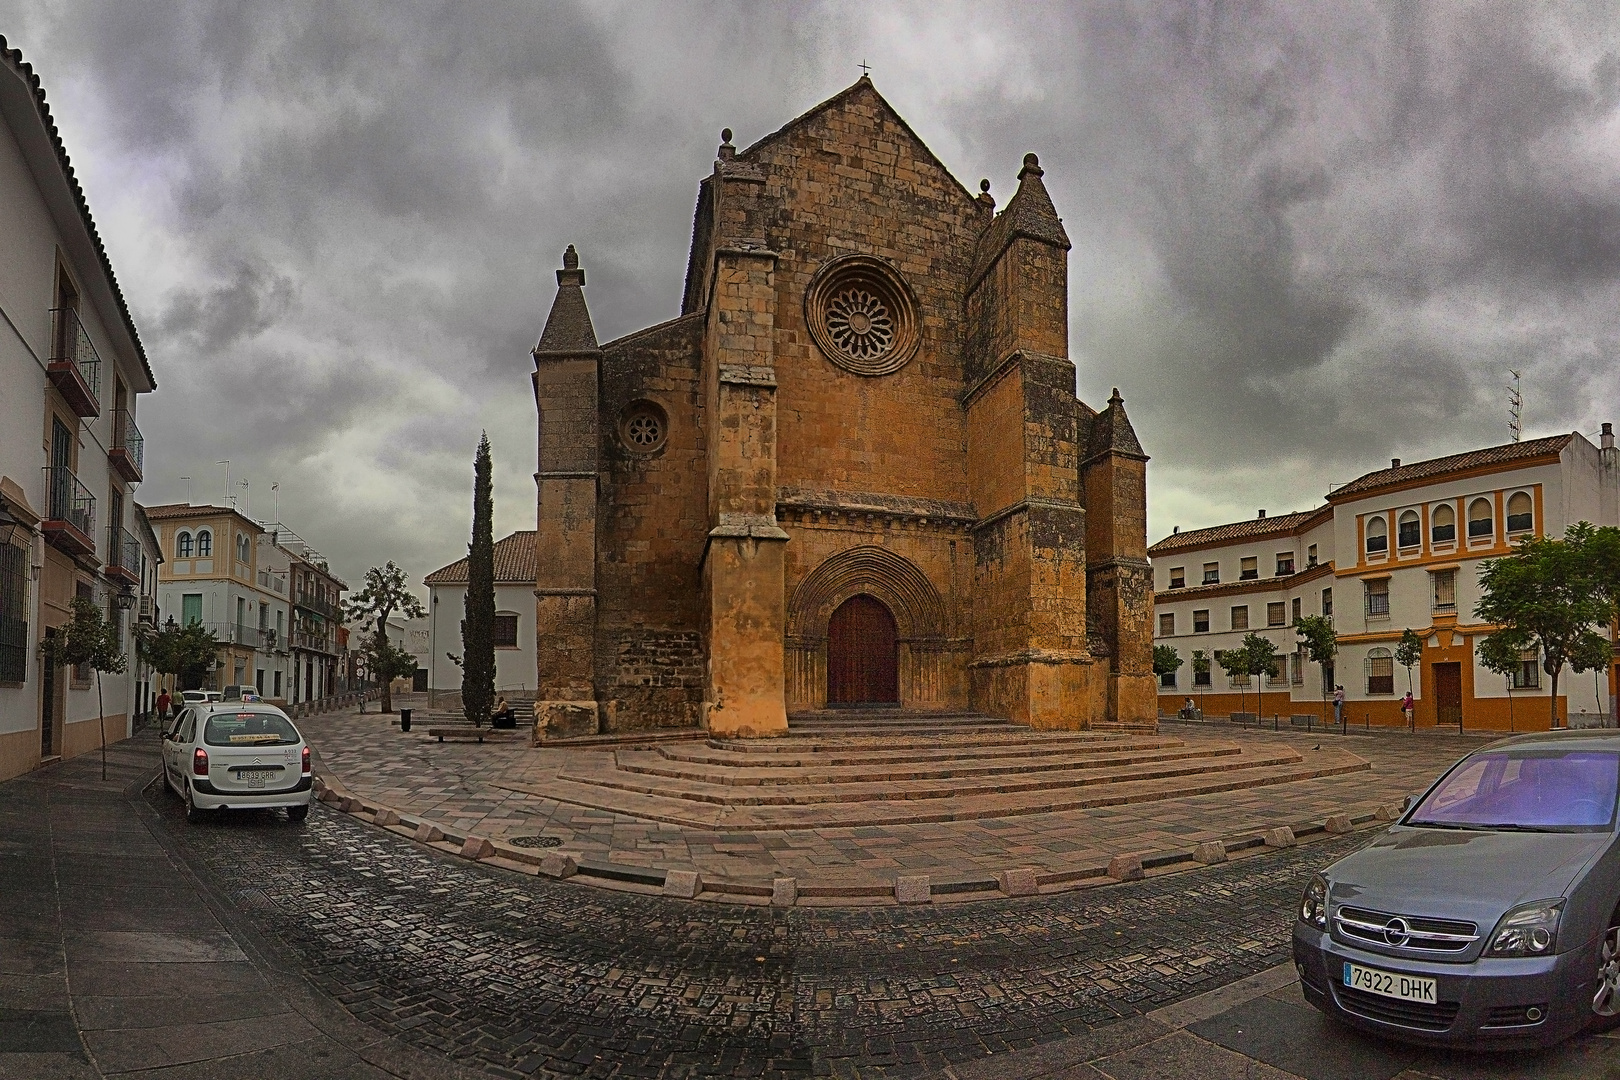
535	841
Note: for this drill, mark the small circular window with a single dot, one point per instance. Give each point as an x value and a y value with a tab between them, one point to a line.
643	427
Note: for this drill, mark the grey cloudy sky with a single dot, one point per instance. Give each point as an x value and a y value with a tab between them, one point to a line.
1307	237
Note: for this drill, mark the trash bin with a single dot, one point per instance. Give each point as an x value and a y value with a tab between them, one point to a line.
404	719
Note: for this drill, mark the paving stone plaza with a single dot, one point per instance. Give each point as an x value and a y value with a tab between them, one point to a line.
341	950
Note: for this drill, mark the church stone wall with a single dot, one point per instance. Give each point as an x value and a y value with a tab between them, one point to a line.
649	644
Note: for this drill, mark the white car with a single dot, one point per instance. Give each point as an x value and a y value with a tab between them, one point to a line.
239	756
198	697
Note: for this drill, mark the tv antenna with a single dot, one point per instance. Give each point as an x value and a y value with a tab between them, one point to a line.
187	479
1515	406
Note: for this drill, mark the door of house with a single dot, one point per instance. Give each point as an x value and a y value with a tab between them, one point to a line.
1448	694
47	708
863	654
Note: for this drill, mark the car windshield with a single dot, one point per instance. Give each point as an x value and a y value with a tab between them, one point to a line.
249	729
1538	789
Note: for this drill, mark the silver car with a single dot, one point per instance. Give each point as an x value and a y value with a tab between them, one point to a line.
1489	914
237	755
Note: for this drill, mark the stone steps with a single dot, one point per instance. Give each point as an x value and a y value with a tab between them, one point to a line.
847	770
801	753
608	774
674	810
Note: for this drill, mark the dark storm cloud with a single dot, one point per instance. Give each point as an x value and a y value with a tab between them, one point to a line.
1307	237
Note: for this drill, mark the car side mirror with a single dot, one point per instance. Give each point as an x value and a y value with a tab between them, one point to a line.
1408	802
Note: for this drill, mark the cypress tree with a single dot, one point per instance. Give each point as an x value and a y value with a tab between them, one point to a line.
478	625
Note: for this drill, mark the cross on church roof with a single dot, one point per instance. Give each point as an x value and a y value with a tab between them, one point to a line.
864	69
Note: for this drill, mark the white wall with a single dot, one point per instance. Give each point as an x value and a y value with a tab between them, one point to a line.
514	668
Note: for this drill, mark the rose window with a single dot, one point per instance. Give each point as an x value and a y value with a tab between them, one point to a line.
643	427
862	315
859	324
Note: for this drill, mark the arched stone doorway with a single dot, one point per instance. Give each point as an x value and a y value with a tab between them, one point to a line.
863	654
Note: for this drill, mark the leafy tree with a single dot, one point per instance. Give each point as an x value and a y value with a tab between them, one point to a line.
388	664
1321	643
386	592
91	638
1166	660
1546	596
1408	652
1263	660
185	652
1235	662
478	625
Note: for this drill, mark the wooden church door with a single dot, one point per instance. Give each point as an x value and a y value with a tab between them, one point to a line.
863	654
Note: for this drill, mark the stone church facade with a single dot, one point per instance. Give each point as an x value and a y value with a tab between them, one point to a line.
853	470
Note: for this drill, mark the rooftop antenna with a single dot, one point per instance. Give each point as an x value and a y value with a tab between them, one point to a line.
247	496
275	497
187	479
1515	406
227	464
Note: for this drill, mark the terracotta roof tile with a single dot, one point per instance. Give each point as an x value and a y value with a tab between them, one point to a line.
1435	467
1253	529
514	563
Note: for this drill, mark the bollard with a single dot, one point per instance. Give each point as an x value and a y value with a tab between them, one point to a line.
404	719
1273	721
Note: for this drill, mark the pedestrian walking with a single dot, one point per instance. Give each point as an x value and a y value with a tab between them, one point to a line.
162	706
1408	708
1338	705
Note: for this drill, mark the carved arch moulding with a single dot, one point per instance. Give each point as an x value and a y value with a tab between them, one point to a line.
919	613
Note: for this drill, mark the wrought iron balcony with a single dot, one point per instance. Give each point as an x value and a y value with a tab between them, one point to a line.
123	556
70	512
75	366
324	608
128	447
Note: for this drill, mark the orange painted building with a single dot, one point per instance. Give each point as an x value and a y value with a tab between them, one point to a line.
1395	549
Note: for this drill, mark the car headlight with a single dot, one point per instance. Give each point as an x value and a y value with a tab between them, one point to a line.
1313	905
1527	930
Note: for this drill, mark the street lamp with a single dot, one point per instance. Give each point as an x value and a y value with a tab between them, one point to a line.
125	598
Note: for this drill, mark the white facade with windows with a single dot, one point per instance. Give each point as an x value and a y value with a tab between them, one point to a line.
71	371
1396	549
514	618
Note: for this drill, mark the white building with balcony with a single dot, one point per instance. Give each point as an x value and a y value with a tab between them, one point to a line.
1396	549
71	370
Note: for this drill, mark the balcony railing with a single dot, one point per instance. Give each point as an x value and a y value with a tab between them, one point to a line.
313	642
128	447
75	366
70	512
311	602
123	555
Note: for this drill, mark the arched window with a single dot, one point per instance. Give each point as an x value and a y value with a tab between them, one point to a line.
241	547
1444	529
182	545
1410	532
1380	672
1479	520
205	544
1519	515
1377	535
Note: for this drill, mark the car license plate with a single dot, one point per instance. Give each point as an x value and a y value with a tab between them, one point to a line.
1389	984
253	777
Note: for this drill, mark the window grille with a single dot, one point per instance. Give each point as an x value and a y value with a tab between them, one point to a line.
1445	590
1409	534
504	632
1527	676
1296	609
1378	597
1201	678
13	614
1519	515
1167	680
1443	530
1377	535
1167	624
1276	614
1380	672
1240	617
1327	603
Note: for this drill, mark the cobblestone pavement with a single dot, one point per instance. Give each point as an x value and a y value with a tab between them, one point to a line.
469	787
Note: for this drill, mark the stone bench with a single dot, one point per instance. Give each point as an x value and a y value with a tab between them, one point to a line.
1305	720
1244	718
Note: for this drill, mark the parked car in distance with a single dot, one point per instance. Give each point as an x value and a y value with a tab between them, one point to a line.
240	692
1488	916
237	756
198	697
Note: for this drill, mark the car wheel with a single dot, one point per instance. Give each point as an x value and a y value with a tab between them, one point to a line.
1606	998
296	814
193	813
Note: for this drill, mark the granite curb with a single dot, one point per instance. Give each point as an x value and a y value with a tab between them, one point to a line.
906	889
